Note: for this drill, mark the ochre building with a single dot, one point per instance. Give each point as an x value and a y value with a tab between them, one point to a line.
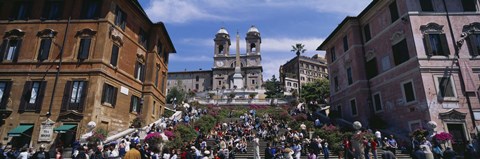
112	61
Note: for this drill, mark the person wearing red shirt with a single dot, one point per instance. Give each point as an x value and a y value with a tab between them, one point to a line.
373	147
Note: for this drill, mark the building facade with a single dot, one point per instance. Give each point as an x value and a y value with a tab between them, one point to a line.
224	62
311	68
112	64
409	63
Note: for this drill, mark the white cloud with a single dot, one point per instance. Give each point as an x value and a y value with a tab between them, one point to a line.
178	58
271	66
284	45
178	11
182	11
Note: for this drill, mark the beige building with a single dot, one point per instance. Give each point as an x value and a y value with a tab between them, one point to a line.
311	68
112	62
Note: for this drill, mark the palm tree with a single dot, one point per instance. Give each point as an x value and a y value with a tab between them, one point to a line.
298	49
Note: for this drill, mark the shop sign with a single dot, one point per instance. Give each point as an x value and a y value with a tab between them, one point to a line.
46	131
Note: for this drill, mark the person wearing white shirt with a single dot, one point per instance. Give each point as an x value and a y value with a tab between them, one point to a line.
378	135
23	154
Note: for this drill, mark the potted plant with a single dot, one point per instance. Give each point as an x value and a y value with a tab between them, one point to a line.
98	136
443	137
137	122
154	139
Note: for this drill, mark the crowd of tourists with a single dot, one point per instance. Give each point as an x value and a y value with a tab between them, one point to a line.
237	135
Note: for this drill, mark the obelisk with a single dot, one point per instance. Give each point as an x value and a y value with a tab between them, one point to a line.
237	77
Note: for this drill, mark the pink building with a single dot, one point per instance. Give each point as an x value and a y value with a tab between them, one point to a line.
407	63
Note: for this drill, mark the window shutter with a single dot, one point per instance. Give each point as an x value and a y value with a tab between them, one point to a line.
140	105
25	96
474	45
114	58
67	93
136	70
131	103
444	43
114	97
6	95
124	21
17	50
41	94
83	97
3	47
44	49
142	74
104	92
428	46
84	49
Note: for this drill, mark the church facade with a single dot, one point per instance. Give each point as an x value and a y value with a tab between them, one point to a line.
231	70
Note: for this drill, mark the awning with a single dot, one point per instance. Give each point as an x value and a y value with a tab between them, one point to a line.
64	128
19	130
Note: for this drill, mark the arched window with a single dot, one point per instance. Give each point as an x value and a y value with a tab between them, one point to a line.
253	47
10	48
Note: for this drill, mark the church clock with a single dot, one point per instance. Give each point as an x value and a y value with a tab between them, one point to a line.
219	63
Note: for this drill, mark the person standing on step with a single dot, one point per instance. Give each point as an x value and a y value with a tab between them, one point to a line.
268	152
378	136
256	147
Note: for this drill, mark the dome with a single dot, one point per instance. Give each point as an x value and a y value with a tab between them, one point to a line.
222	30
253	29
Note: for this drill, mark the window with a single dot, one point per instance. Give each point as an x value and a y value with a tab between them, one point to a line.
400	52
295	85
5	87
196	86
377	101
91	9
469	5
345	43
139	71
353	106
366	31
121	18
109	95
197	78
394	11
160	48
436	44
302	78
426	5
153	107
142	38
164	77
33	93
474	41
74	96
84	48
289	84
11	49
52	10
349	76
408	92
156	76
44	49
114	57
445	87
335	81
21	11
371	67
135	104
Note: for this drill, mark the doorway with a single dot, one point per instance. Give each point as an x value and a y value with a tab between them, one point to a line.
459	138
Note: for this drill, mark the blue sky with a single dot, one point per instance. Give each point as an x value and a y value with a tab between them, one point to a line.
192	25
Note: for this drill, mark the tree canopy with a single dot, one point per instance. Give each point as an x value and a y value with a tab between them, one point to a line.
273	88
298	48
176	93
316	91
